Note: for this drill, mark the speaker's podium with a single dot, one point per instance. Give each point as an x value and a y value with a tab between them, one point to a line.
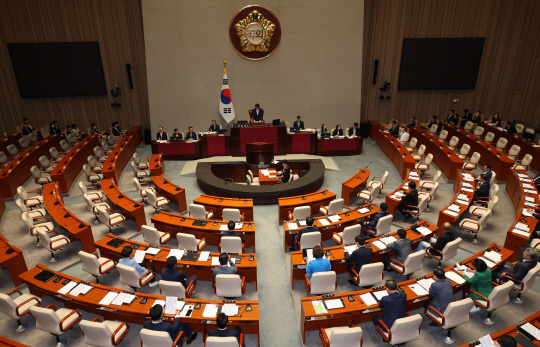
259	153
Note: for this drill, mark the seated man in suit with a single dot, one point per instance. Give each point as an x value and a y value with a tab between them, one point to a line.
536	181
161	135
173	275
157	324
191	134
482	189
116	131
370	225
231	231
285	173
257	114
438	243
477	117
394	305
402	246
226	267
409	199
394	130
318	264
519	269
127	260
442	293
176	135
487	172
431	123
451	118
26	130
308	229
412	123
361	256
354	131
467	117
337	131
222	331
510	128
298	123
214	127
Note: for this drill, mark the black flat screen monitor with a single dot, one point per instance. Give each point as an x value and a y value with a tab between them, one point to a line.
276	122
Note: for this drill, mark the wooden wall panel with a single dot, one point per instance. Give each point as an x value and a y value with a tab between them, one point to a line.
509	76
115	24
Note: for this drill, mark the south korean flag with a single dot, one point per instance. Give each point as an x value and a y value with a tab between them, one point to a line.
225	101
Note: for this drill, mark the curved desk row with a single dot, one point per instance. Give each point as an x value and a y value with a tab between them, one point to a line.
445	158
500	162
136	312
336	254
217	204
171	191
523	227
12	139
463	187
129	207
121	155
174	224
392	200
396	153
327	228
351	187
314	200
356	312
76	228
10	343
203	269
67	170
14	261
156	165
17	172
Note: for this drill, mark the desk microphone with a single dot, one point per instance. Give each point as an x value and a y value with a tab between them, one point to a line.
324	193
366	167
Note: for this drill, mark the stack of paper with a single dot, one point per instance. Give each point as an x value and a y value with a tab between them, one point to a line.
265	172
368	299
123	298
170	305
363	210
324	221
528	186
204	256
424	230
520	175
230	310
333	304
319	307
522	233
489	263
486	341
467	185
451	213
453	208
292	226
529	199
215	261
107	299
467	190
388	240
152	251
65	289
180	305
80	289
426	283
413	173
334	218
223	227
462	202
349	249
159	302
178	253
210	311
139	256
238	225
530	191
454	277
463	197
418	289
302	223
379	244
531	329
493	256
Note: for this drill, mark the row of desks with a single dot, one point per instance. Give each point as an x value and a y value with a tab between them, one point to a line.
12	139
128	207
313	200
396	152
458	189
121	154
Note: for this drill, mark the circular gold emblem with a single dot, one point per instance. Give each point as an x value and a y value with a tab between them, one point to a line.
255	32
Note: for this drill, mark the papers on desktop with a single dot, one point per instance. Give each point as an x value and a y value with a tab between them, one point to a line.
493	256
123	298
529	199
178	253
215	261
230	309
380	294
152	251
107	299
520	175
522	226
204	256
467	185
223	227
451	213
334	218
522	233
319	307
529	191
461	202
413	173
426	283
424	230
486	341
363	210
139	256
397	195
453	208
388	240
454	277
418	289
80	289
324	221
467	190
65	289
528	186
333	304
525	213
302	223
379	244
349	249
292	226
463	197
489	263
265	172
186	309
238	225
531	329
170	305
210	311
368	299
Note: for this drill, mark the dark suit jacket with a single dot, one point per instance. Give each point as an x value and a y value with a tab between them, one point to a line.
27	131
351	131
483	191
433	121
394	306
258	117
403	249
536	181
373	223
227	333
360	257
512	130
224	269
214	127
94	131
476	119
488	174
336	133
173	330
286	176
394	131
306	230
54	130
442	294
297	125
442	241
411	124
234	233
174	275
411	198
159	136
520	269
116	132
174	136
192	135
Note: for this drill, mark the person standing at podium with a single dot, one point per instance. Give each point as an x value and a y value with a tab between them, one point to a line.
299	123
161	135
191	134
257	114
214	126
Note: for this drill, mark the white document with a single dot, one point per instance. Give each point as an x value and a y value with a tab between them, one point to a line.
493	256
531	329
80	289
489	263
230	309
139	256
413	173
379	244
415	178
388	240
292	226
522	233
204	256
424	230
265	172
319	303
454	277
467	185
309	254
528	186
453	208
128	299
65	289
462	202
529	199
107	299
215	261
520	175
324	222
210	311
223	227
467	190
363	210
333	304
463	197
531	204
380	294
170	305
159	302
529	191
152	251
451	213
426	283
184	312
486	341
334	218
180	305
418	289
119	300
368	299
178	253
302	223
526	180
238	225
349	249
525	213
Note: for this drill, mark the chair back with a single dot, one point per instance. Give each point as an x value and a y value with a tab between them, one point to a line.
3	158
519	128
98	152
501	144
433	128
105	146
35	171
514	150
526	160
8	306
187	241
465	148
529	130
86	170
453	141
484	219
96	333
44	161
197	211
134	166
140	190
437	176
152	338
221	341
443	135
248	180
135	157
231	214
82	187
229	285
169	288
457	313
335	206
450	250
44	239
27	220
489	137
89	263
433	191
384	177
152	198
428	159
150	235
414	262
301	212
405	329
478	131
310	240
413	142
475	157
91	160
24	143
494	190
323	282
421	149
22	192
46	320
493	202
103	216
12	149
500	295
403	138
422	204
64	145
45	131
231	244
345	336
468	126
21	206
250	173
128	275
530	278
349	233
72	138
383	225
371	274
493	177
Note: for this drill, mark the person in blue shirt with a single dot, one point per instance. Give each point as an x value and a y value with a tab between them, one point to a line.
319	264
191	134
157	324
127	260
370	225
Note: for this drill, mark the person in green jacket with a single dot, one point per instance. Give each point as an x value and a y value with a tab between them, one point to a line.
481	281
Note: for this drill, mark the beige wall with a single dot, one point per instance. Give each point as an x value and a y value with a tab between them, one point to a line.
315	72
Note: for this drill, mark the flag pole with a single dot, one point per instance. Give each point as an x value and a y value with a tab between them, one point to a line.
228	124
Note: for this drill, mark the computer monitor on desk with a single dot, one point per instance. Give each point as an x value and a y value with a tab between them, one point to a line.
276	122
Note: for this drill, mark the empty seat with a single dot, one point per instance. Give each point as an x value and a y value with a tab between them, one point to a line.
111	220
92	192
189	242
18	307
489	137
523	163
103	333
404	138
35	213
417	210
324	282
24	142
153	236
310	240
501	144
453	142
140	174
341	336
156	201
300	213
477	210
142	163
449	251
334	207
475	226
231	244
198	211
429	195
370	194
500	295
56	156
142	188
456	313
152	338
473	162
233	214
465	149
40	177
380	183
4	160
55	321
433	129
419	153
383	226
94	164
130	276
30	200
253	178
45	164
52	244
34	227
513	152
403	330
443	135
428	184
346	237
423	165
176	289
92	177
478	131
468	126
370	274
230	285
64	146
100	156
95	266
412	263
412	144
12	150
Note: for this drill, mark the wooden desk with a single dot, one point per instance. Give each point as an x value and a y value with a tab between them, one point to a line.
10	343
267	180
156	164
136	133
337	257
357	312
458	189
511	331
351	187
17	172
76	228
178	150
393	202
67	170
171	191
446	159
215	144
12	139
13	261
500	162
258	132
119	157
203	269
136	313
348	218
396	152
302	142
217	204
374	129
129	208
314	200
174	224
515	190
344	146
